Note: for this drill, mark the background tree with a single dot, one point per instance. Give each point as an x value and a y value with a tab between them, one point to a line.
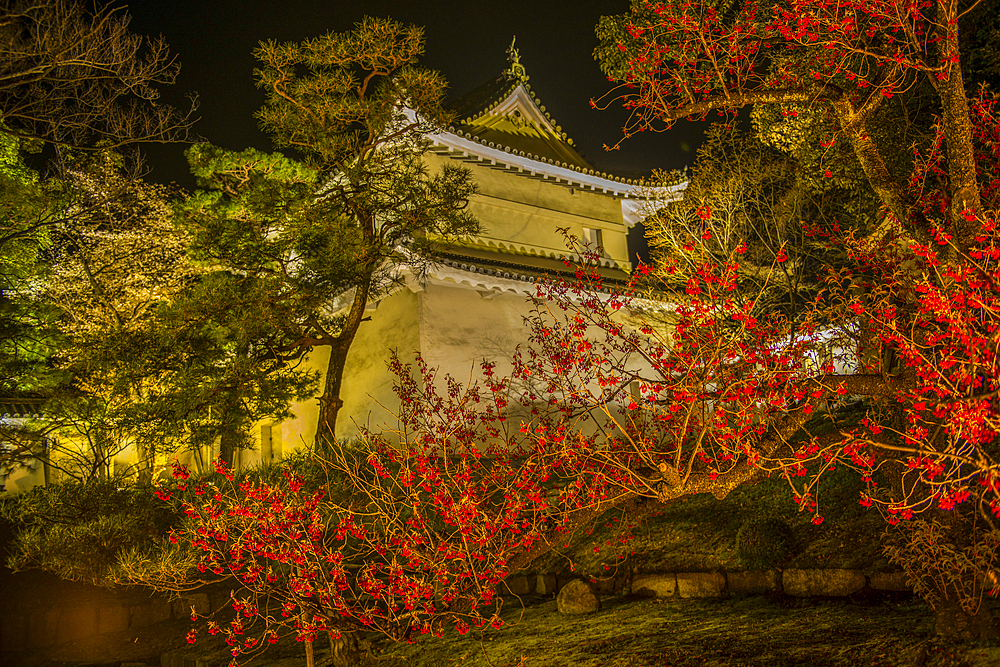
323	238
743	196
72	76
153	359
27	213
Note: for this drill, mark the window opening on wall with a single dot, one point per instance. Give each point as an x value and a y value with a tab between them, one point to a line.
594	239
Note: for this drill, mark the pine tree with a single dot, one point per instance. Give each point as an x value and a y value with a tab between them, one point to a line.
317	239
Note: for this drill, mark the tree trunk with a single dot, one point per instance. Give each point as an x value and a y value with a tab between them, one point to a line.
310	655
961	161
226	448
147	461
951	621
330	402
346	650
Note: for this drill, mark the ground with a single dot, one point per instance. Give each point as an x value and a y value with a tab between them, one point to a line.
762	631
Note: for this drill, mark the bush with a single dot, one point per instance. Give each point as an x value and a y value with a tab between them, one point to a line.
77	529
764	543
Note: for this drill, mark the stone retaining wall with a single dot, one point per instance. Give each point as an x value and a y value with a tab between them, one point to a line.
793	582
22	629
59	624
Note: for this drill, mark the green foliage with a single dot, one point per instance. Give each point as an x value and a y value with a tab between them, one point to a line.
336	98
28	210
763	543
156	352
78	529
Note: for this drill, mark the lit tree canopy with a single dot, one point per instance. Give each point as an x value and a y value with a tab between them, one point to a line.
675	60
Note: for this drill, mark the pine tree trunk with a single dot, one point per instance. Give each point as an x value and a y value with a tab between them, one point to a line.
226	448
330	402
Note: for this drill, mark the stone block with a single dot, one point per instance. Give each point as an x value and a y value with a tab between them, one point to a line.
577	597
149	613
42	627
889	581
13	632
804	583
656	585
171	659
518	585
76	623
113	618
700	584
545	584
754	582
181	607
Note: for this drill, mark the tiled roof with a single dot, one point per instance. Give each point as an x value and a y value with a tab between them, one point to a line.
20	408
505	112
503	121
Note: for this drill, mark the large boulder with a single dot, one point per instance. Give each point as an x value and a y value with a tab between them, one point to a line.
656	585
577	597
700	584
804	583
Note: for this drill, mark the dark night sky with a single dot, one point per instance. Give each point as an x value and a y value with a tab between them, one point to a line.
465	40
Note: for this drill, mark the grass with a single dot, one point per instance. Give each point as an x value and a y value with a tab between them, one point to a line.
752	631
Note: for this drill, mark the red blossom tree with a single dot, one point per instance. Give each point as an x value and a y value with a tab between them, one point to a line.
625	400
919	289
685	59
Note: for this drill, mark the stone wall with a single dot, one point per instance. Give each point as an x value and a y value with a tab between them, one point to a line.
42	610
793	582
59	612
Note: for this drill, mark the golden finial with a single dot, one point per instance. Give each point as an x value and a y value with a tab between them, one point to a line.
516	68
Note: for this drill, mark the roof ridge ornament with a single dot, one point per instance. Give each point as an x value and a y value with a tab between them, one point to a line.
516	70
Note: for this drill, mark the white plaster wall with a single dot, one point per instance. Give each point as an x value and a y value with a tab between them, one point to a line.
459	328
368	384
367	381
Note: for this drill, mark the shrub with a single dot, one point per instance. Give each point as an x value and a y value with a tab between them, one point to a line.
764	543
